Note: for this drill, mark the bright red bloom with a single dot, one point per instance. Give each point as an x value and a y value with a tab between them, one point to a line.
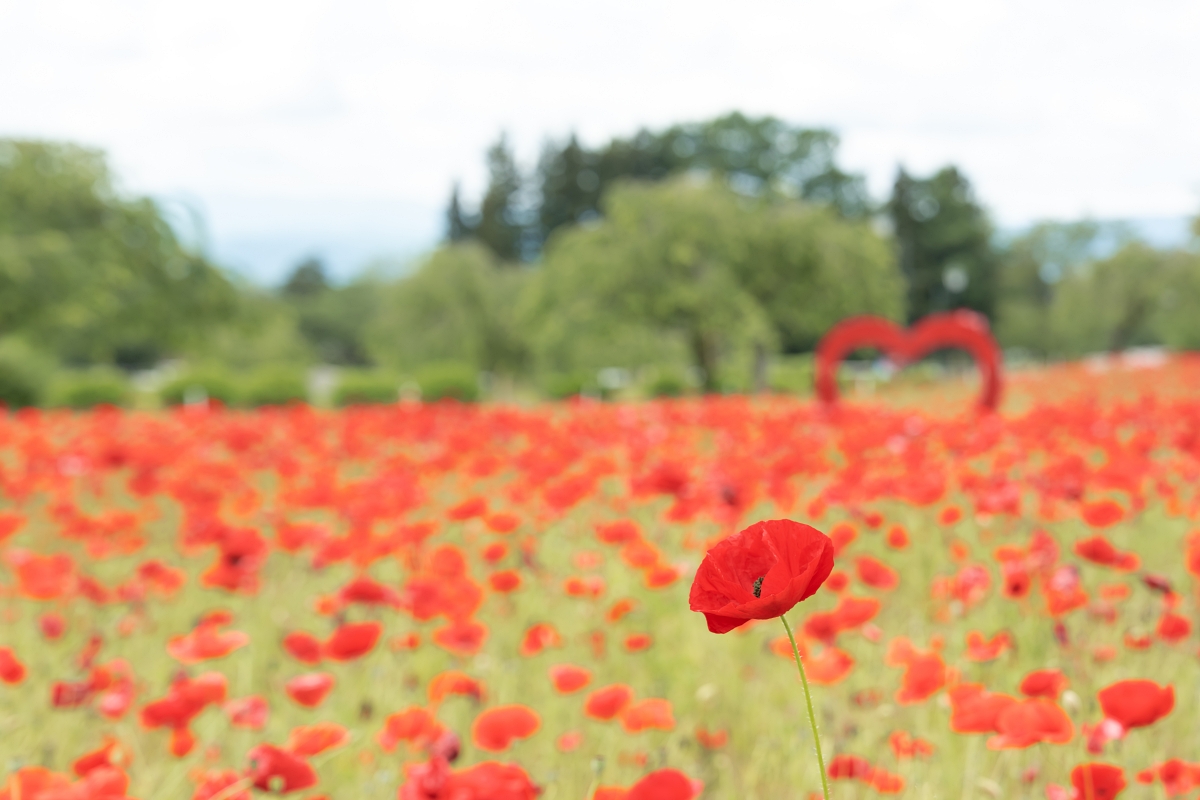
760	573
205	642
1047	683
495	729
416	726
875	573
649	713
1103	513
309	690
981	649
1100	550
606	703
539	637
569	678
435	780
12	671
247	712
304	647
1097	781
451	682
663	784
352	640
1136	703
976	710
278	770
505	581
310	740
464	637
1028	722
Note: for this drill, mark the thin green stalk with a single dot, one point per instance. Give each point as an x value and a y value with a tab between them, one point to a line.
812	717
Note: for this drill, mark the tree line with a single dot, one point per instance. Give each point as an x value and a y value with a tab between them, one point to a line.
702	253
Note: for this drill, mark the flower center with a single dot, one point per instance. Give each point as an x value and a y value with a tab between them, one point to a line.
758	586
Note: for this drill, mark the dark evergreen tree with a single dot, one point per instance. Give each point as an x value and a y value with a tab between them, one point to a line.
500	220
570	185
459	227
945	244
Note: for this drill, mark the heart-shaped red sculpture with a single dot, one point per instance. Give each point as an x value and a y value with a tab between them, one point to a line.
962	329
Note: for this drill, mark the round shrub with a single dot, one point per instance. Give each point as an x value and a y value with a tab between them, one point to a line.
366	388
448	380
668	383
562	385
275	386
199	386
92	388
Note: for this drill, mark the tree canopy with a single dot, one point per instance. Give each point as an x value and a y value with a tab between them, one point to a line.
90	274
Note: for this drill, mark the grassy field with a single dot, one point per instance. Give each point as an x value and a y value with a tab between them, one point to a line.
276	516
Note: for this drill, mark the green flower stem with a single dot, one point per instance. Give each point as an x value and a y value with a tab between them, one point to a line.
812	717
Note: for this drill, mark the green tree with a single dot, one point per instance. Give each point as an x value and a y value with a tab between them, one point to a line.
945	244
1138	296
754	155
459	306
695	263
307	279
89	274
1032	267
333	321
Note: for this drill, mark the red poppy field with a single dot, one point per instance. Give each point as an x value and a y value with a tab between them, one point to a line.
495	603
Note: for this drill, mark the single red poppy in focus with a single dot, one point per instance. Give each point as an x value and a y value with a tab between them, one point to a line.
275	769
1097	781
495	729
309	690
604	704
568	678
1136	703
760	573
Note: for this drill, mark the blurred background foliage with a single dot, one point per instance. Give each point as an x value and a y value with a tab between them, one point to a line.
707	256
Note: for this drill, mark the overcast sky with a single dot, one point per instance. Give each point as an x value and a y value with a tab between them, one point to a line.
338	127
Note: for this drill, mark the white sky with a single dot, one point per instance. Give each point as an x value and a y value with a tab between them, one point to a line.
329	126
